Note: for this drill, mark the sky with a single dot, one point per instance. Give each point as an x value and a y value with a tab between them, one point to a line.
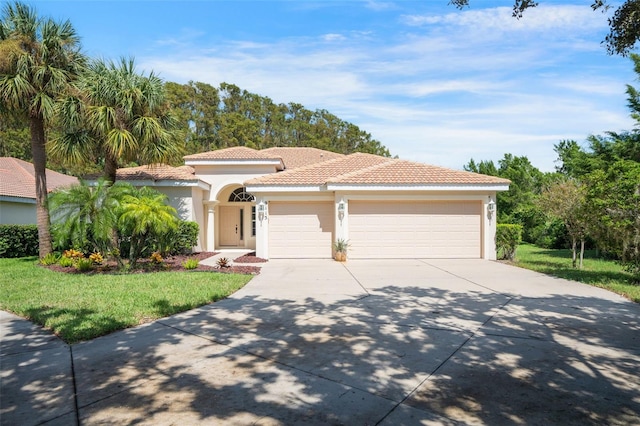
432	83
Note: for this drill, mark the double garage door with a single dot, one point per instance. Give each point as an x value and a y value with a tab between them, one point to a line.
382	230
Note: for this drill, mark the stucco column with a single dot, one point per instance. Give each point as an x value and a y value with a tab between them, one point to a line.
341	218
489	234
262	228
211	226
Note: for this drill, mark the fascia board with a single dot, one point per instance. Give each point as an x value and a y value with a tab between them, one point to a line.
232	162
11	199
443	187
282	188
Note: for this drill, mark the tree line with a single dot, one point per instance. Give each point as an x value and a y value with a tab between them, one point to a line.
593	197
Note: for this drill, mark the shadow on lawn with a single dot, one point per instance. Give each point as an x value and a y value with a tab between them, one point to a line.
401	355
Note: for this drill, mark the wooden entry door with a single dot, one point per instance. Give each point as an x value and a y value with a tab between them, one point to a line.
230	224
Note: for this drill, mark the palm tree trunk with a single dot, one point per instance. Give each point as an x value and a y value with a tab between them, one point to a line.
36	125
110	167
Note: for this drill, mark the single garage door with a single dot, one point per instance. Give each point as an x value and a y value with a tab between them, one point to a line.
300	230
447	229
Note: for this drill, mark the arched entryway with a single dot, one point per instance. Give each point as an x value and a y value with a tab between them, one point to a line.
236	219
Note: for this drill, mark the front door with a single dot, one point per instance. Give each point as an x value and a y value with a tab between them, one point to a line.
230	226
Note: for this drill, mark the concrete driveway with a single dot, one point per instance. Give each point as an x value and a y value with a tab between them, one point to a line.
363	343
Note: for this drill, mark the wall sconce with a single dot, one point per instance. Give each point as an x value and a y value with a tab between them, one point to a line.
262	210
341	209
491	206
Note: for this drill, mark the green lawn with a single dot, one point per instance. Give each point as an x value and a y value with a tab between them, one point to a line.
597	272
81	307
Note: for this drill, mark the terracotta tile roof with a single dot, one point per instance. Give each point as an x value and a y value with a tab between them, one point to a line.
368	169
157	172
403	172
233	153
294	157
17	178
320	173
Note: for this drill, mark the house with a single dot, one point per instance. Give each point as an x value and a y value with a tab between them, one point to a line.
295	202
18	190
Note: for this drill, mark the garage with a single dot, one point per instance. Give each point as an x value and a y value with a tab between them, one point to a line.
300	230
427	229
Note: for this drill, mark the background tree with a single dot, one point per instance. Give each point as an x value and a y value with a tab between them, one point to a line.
614	198
212	118
118	116
624	24
565	199
39	60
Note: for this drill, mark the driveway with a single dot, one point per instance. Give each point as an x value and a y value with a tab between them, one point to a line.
400	342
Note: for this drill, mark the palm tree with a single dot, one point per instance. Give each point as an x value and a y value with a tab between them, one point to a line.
144	216
39	60
119	114
86	214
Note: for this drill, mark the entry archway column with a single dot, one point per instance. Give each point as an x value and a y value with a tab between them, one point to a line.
211	225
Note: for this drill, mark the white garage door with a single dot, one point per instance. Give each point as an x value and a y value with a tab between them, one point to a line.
300	230
448	229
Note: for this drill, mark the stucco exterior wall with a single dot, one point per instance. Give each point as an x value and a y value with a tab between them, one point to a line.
17	213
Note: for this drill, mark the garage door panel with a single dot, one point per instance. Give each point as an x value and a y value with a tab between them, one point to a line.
300	230
415	229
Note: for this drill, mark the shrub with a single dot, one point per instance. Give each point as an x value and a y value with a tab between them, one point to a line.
156	257
96	258
66	262
190	264
186	238
508	236
83	264
73	254
18	240
50	259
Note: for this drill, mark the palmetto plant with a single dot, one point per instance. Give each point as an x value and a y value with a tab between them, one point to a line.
39	61
117	114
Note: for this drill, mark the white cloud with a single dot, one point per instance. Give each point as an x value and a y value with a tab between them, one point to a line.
540	19
450	89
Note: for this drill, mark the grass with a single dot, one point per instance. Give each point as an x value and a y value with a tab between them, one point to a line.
597	272
80	307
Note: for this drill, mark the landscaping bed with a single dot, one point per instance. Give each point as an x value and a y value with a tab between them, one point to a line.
168	264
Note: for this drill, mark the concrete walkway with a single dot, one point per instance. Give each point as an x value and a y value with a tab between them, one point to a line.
363	343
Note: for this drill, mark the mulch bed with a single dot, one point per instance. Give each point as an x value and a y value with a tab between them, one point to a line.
250	258
169	264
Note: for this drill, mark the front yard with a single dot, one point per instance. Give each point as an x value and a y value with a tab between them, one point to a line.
81	307
597	272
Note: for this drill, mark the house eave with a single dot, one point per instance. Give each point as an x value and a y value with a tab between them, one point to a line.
277	163
418	187
12	199
284	188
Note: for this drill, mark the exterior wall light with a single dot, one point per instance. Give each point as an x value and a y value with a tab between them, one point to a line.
491	206
341	208
261	207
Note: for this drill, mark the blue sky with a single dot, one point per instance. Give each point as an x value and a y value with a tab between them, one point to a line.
432	83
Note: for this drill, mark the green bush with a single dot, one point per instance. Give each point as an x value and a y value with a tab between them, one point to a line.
84	264
18	240
190	264
508	236
182	240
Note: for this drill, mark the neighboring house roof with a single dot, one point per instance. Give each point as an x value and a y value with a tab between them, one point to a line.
294	157
369	169
17	179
